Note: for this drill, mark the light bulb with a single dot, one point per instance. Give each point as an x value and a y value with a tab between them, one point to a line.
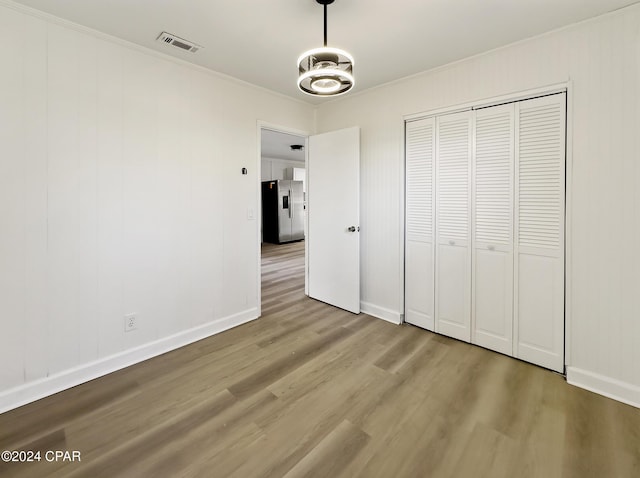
325	85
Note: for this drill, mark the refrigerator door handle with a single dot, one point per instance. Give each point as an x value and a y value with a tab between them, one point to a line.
290	204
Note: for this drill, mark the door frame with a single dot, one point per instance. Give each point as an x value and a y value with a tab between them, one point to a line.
260	125
566	87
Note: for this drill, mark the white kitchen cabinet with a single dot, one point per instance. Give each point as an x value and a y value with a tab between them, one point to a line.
297	174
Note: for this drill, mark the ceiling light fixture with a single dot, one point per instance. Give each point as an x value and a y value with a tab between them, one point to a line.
325	71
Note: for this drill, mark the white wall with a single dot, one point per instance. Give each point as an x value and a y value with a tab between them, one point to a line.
120	192
601	57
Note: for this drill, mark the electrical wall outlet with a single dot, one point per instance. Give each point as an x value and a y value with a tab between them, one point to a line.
130	322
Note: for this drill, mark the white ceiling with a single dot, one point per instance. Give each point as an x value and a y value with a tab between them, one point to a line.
275	144
259	41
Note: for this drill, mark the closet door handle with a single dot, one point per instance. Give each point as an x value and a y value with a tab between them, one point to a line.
452	243
491	248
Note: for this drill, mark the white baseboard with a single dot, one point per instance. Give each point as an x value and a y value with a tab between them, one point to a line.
381	313
621	391
32	391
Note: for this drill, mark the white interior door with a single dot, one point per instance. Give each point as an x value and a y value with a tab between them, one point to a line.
333	194
492	268
419	251
453	238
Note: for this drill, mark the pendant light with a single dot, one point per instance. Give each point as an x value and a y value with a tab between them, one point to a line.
325	71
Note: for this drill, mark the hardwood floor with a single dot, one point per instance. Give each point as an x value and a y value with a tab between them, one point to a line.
310	390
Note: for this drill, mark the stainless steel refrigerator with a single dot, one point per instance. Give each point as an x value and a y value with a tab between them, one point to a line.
282	211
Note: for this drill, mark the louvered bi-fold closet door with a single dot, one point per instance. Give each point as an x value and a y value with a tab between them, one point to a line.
453	242
492	267
539	242
419	251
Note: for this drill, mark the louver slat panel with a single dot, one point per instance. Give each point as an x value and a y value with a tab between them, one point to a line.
541	186
419	164
493	173
453	178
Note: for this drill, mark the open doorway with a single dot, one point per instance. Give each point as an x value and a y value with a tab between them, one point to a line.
331	212
283	217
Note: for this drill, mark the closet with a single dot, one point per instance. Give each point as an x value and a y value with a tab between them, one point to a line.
484	252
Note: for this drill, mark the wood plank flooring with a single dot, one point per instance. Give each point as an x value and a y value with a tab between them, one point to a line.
310	390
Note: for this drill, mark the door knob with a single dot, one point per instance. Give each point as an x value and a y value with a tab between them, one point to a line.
351	229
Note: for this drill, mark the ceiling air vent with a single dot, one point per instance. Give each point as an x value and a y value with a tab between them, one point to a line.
178	42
